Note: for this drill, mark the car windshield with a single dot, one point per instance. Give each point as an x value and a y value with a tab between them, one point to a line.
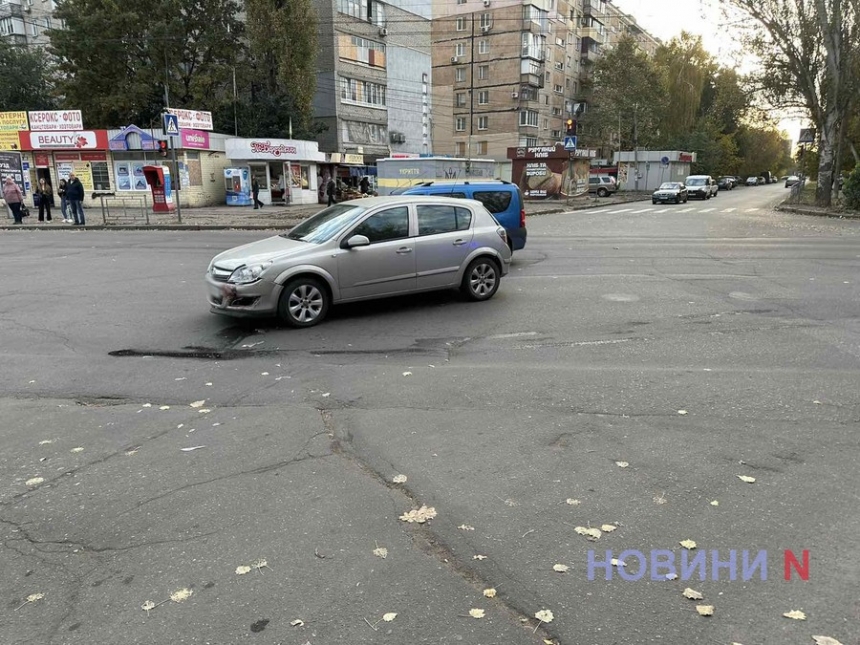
669	186
326	224
698	181
752	178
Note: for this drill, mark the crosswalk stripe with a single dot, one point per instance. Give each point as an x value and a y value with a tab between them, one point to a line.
644	210
605	210
685	210
729	210
623	210
665	210
752	210
708	210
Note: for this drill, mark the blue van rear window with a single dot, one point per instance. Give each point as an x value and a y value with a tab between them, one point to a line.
496	201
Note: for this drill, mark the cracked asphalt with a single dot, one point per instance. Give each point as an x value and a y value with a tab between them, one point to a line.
692	346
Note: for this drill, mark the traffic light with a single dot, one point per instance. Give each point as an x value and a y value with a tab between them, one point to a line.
571	128
162	148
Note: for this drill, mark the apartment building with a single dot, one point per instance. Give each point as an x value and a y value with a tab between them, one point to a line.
620	24
374	77
505	73
23	22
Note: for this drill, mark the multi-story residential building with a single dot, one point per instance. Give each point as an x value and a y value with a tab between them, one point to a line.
23	22
374	77
620	24
505	73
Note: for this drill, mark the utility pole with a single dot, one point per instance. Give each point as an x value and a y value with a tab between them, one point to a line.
170	140
636	146
471	98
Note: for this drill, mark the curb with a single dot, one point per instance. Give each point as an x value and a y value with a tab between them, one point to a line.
799	210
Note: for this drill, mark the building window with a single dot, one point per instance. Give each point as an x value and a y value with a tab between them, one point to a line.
461	124
556	134
101	177
558	89
529	118
483	72
369	10
546	124
460	148
481	148
485	20
363	92
459	49
483	97
461	99
483	122
556	111
361	50
461	1
361	132
461	24
483	46
460	74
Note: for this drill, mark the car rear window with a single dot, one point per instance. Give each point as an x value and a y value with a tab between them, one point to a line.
496	201
434	219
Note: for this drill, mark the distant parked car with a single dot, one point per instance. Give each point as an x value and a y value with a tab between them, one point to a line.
752	181
791	180
760	181
726	183
701	186
670	191
603	185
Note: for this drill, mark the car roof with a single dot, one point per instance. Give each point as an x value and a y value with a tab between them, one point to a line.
393	200
451	183
697	176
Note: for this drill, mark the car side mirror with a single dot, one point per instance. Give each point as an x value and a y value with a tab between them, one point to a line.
356	240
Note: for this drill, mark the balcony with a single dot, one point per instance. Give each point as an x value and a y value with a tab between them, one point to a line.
590	55
597	34
594	8
537	53
7	9
533	27
533	80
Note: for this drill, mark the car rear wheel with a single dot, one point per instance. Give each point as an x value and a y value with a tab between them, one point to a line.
685	199
481	280
602	192
304	302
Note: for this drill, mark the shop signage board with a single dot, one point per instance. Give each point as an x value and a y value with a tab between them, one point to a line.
192	119
58	140
13	121
56	121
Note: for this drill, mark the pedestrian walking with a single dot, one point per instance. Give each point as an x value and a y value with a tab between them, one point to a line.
64	206
14	198
330	189
75	196
46	194
364	186
255	191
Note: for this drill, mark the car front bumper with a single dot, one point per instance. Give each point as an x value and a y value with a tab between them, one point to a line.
699	193
665	198
256	299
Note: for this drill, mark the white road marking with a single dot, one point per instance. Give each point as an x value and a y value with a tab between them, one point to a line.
729	210
752	210
623	210
708	210
665	210
686	210
644	210
605	210
514	335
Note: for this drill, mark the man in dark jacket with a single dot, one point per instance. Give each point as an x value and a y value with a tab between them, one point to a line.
330	190
75	197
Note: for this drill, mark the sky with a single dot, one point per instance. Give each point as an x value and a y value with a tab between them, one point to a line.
666	19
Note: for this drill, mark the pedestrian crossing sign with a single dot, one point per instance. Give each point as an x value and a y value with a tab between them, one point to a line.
570	143
171	125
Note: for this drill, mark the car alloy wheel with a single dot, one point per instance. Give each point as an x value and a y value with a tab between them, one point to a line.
304	302
481	280
602	192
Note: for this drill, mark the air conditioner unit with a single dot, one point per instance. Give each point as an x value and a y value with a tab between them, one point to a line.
515	95
383	32
485	29
454	59
486	3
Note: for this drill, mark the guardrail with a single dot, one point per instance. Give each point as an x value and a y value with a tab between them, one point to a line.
125	210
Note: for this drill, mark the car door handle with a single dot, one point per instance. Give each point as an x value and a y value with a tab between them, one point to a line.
459	242
403	250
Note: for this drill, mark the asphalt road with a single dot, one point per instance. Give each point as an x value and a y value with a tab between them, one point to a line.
150	447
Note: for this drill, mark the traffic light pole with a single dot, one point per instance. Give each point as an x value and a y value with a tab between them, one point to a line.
173	184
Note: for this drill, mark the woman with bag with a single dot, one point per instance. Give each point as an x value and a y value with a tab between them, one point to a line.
45	193
64	207
14	198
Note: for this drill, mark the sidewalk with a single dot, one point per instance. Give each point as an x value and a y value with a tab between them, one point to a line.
267	218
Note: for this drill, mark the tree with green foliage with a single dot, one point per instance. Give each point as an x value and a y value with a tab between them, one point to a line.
629	96
809	51
688	69
26	75
851	189
114	59
279	76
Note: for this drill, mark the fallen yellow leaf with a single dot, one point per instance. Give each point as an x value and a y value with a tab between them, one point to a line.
180	595
419	515
591	534
688	544
825	640
389	617
242	570
544	616
399	479
745	478
572	502
489	593
621	464
705	610
479	557
561	568
692	594
795	614
608	528
380	552
476	613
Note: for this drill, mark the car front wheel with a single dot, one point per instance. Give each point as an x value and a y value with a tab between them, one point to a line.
304	302
602	192
481	280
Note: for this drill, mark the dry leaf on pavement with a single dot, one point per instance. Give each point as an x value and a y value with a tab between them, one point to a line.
389	616
35	481
608	528
476	613
148	606
419	515
692	594
466	527
615	562
76	450
746	479
399	479
407	373
715	503
561	568
591	534
544	616
297	623
180	595
380	552
621	464
479	557
242	570
795	614
572	502
705	610
33	597
825	640
198	404
489	593
688	544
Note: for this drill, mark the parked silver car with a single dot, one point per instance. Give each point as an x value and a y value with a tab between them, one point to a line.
362	249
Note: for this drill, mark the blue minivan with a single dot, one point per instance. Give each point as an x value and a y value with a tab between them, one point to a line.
502	198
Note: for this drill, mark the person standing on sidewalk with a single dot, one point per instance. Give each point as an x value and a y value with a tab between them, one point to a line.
255	191
46	194
64	207
330	189
14	198
75	196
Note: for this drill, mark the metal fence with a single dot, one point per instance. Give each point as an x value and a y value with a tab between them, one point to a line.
125	210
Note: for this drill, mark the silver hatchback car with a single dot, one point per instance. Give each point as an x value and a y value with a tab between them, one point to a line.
366	248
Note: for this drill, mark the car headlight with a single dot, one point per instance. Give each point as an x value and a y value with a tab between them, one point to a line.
249	273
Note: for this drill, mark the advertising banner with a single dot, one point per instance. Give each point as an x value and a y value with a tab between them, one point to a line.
9	141
56	121
194	139
84	173
77	140
10	164
545	172
13	121
193	119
